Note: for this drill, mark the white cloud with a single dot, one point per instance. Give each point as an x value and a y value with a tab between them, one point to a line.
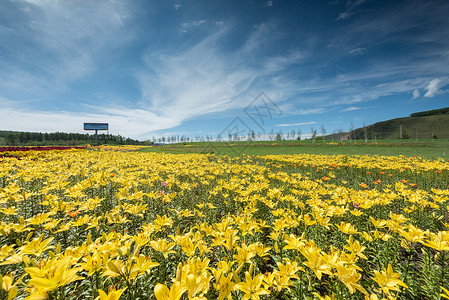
278	63
130	123
187	25
351	9
432	88
175	86
296	124
344	15
202	79
177	6
60	41
269	3
357	51
351	108
416	94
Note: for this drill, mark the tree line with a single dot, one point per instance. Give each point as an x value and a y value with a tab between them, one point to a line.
14	138
434	112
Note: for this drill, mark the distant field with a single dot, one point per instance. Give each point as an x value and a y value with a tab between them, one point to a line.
427	149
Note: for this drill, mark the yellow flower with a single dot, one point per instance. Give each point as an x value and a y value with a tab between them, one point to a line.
252	287
197	285
225	286
6	283
293	242
163	221
93	263
245	253
288	269
355	247
388	280
36	246
349	276
347	228
174	293
378	223
316	263
446	293
141	265
439	241
327	297
53	273
163	246
112	295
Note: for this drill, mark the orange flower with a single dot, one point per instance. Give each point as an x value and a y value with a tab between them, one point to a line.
325	178
364	185
73	213
404	181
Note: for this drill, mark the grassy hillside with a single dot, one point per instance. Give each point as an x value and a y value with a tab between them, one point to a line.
412	128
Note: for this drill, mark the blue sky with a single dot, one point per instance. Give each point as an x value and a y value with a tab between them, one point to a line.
154	68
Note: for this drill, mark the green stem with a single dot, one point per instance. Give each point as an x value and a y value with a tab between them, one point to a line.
63	293
97	281
408	265
442	268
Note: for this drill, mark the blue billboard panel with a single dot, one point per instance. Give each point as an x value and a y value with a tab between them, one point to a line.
96	126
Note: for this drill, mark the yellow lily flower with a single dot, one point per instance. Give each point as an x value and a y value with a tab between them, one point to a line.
388	280
252	287
111	295
163	246
174	293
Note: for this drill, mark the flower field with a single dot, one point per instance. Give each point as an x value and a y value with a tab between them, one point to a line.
99	223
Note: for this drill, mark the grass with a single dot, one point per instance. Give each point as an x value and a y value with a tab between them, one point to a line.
423	127
427	148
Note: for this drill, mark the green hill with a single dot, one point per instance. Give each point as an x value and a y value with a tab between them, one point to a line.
421	125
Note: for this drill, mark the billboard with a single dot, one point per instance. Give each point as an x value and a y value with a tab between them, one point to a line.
96	126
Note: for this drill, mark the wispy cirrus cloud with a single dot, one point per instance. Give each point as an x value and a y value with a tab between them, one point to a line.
208	65
60	42
351	9
188	25
352	108
202	79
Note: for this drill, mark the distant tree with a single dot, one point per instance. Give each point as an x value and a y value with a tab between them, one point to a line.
351	132
293	134
313	133
340	134
365	132
323	132
279	135
11	139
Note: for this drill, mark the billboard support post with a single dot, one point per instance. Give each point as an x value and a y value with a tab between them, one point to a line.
96	127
